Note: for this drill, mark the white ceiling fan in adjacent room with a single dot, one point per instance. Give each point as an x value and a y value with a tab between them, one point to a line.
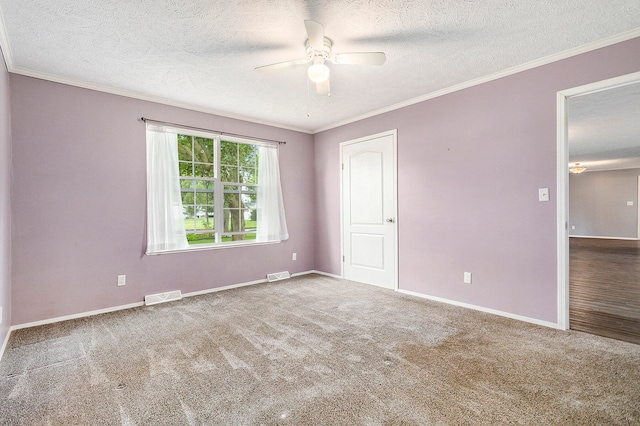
318	48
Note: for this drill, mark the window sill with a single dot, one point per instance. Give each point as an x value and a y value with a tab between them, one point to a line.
202	247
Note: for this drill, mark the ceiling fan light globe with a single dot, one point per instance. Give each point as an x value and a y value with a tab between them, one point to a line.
318	73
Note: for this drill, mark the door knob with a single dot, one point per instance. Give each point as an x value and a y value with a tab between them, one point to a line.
390	220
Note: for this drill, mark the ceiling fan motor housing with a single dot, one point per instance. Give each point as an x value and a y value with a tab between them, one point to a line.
325	53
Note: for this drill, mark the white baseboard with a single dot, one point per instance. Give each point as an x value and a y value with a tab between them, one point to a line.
4	344
603	238
229	287
326	274
482	309
226	287
76	316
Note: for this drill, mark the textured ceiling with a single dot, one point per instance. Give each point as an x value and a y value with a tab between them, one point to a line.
604	128
202	53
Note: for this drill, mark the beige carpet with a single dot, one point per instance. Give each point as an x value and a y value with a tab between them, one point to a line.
313	351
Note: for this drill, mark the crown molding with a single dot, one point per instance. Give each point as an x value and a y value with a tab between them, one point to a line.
150	98
509	71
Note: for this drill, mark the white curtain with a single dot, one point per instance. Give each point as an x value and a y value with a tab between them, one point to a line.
272	223
165	218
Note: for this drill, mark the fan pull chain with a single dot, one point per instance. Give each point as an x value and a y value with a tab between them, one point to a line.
308	108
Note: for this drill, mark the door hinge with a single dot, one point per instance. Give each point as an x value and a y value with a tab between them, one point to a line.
342	166
343	258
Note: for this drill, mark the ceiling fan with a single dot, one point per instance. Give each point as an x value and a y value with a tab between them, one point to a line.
318	48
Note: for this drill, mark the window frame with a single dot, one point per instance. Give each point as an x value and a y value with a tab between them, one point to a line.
239	188
194	186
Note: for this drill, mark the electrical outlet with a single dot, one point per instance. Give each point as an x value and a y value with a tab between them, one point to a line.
294	257
467	277
122	280
573	227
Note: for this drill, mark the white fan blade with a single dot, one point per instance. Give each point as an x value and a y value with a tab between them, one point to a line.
323	88
315	34
359	58
283	64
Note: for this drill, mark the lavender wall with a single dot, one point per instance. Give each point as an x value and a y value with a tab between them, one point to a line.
469	167
5	202
79	204
598	203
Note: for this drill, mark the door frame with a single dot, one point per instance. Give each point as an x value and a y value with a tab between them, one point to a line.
563	183
638	210
394	134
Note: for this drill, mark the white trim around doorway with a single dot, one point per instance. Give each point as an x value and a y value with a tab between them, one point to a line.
563	183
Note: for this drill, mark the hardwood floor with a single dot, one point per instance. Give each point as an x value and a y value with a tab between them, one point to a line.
604	287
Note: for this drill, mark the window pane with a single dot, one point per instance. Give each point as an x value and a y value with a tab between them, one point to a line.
188	211
249	199
203	150
204	185
204	198
203	170
233	188
248	175
205	213
229	153
190	224
248	155
204	238
250	221
186	183
231	200
229	174
187	198
184	148
238	237
232	221
186	169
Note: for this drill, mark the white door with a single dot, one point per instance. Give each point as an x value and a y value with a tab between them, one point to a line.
369	225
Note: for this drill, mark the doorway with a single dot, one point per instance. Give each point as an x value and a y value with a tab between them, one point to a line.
571	252
369	210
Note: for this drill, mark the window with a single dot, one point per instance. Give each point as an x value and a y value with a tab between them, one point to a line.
234	182
209	191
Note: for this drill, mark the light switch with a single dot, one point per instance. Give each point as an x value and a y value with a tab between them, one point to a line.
543	194
629	203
